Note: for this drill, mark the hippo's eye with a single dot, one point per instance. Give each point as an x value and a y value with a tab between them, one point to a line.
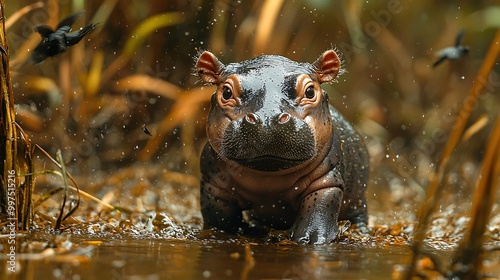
227	93
310	93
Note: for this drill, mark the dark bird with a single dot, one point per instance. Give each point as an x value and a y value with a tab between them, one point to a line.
452	53
146	130
58	41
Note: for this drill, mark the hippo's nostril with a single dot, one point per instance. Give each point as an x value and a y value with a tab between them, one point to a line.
283	118
251	118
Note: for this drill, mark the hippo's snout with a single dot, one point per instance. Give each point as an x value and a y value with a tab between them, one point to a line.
271	143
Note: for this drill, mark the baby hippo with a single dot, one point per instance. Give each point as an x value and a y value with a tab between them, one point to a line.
278	150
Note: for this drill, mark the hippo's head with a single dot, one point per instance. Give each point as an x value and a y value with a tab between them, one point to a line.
269	113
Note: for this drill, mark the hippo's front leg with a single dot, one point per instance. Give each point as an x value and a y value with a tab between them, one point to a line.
317	222
217	212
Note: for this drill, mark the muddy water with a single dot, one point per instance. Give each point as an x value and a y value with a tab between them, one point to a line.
215	255
219	259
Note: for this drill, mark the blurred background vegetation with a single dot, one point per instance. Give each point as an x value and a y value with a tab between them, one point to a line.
135	71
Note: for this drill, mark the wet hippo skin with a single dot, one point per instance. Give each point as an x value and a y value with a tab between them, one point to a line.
278	150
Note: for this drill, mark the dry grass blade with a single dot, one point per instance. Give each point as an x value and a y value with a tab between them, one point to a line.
266	23
91	197
433	192
147	27
468	258
42	85
46	196
21	12
94	77
149	84
475	127
29	119
103	13
352	12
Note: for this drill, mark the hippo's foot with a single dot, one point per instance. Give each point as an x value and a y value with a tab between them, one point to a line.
317	222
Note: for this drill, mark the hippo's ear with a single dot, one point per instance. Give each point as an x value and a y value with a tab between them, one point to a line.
327	66
209	68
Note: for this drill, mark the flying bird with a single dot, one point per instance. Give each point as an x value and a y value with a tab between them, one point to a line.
452	53
146	130
58	41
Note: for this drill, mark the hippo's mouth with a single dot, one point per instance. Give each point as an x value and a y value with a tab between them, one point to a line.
269	163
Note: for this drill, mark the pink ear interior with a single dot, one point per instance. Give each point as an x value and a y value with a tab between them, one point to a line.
327	66
209	67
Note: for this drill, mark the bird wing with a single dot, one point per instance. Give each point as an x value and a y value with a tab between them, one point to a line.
460	36
67	22
44	30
